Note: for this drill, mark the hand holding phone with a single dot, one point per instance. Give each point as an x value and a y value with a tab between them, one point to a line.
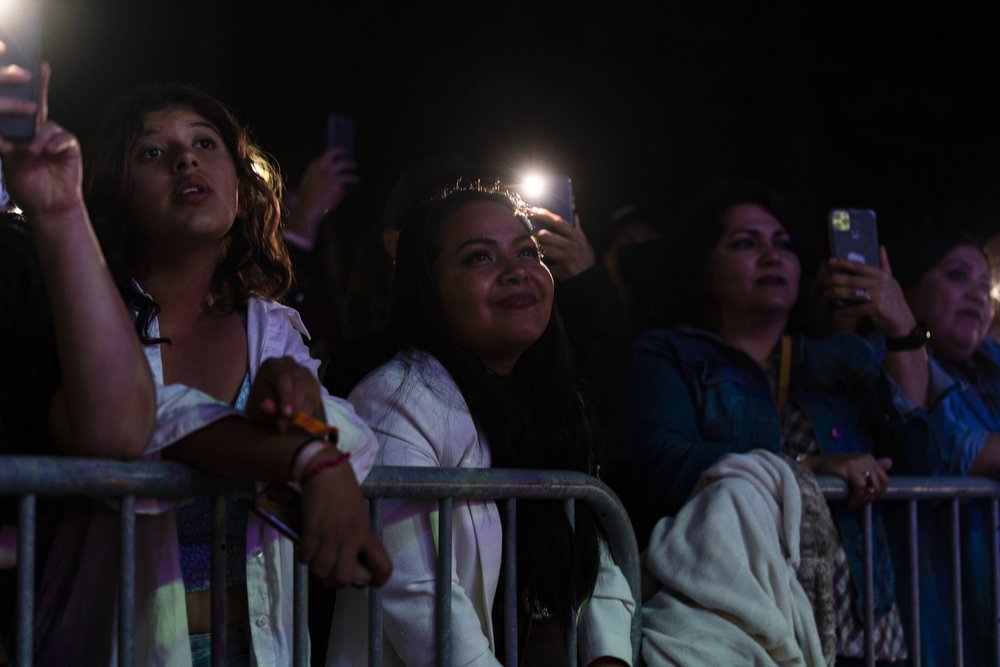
853	235
554	193
20	24
281	506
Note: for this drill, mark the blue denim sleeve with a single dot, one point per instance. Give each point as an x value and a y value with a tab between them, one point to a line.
961	437
670	454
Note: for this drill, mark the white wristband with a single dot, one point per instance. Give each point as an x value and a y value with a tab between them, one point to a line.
305	455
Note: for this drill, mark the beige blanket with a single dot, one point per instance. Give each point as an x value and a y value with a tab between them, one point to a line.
728	592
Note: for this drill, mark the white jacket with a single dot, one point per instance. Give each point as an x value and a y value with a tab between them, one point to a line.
420	419
78	593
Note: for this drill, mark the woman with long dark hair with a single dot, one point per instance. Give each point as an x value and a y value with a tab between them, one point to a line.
482	378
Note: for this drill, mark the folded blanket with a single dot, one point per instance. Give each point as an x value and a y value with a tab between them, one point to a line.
727	572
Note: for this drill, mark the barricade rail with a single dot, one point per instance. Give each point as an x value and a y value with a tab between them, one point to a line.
30	477
912	491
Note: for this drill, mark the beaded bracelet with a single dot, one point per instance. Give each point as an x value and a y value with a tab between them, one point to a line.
323	465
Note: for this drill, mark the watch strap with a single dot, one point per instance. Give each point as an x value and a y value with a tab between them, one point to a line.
914	340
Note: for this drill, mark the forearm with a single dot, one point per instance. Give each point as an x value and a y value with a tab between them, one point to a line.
987	462
106	404
237	447
910	369
669	465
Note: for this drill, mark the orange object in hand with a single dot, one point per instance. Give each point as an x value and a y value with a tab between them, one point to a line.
313	426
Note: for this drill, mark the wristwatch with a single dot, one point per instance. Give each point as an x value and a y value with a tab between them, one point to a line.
916	339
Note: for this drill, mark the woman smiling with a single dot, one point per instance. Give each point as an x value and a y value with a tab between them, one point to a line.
482	378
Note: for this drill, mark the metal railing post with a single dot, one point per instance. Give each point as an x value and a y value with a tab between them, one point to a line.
25	579
375	594
442	603
126	583
914	558
510	601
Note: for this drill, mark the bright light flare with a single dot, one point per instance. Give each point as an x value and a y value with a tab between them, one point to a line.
11	12
533	186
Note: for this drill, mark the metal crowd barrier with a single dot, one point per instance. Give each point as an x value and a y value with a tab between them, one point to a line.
911	491
31	477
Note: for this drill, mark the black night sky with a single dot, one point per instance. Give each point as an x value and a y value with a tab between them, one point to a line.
851	104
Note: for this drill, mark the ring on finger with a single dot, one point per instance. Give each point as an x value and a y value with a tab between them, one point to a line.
869	482
863	294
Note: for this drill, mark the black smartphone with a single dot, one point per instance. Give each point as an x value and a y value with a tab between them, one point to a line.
854	235
341	132
554	193
20	27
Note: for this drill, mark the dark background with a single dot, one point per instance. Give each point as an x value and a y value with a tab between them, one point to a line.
834	103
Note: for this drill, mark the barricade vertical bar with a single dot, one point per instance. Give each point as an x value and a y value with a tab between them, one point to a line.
510	583
866	525
911	534
570	505
218	581
956	584
995	570
442	605
300	620
25	579
375	594
126	583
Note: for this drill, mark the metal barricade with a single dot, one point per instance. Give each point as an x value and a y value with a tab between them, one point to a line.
913	491
31	477
447	485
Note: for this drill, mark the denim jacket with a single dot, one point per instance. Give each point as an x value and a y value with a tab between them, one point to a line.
962	420
697	399
966	416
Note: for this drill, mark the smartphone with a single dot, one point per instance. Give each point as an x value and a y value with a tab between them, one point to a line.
281	506
554	193
20	27
341	133
854	235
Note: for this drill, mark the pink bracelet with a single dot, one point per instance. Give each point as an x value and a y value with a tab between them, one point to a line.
303	454
323	465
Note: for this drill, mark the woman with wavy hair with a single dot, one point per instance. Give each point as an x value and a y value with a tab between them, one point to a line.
189	213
